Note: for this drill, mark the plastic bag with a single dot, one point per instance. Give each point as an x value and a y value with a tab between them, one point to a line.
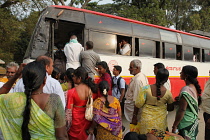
91	137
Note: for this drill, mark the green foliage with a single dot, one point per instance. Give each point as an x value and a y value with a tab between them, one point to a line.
18	17
21	45
10	29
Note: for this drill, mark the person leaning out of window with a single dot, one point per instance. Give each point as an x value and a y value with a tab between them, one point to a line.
124	48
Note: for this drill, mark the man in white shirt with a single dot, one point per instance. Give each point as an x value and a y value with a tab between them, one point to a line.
139	80
72	51
11	70
51	86
158	66
125	48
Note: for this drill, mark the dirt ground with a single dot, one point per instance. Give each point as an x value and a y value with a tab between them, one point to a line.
171	118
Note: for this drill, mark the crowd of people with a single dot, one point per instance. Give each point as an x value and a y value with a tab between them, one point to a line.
38	102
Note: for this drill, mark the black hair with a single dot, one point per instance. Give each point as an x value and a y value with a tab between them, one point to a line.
89	44
45	60
125	39
80	72
34	74
105	66
55	72
69	73
191	74
135	136
159	65
118	68
161	78
103	85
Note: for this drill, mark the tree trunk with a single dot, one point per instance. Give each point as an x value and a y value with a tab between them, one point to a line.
85	4
72	2
56	3
8	3
62	2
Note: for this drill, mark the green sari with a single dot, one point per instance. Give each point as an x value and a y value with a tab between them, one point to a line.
188	127
41	126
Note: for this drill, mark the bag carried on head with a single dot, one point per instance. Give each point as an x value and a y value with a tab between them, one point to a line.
89	107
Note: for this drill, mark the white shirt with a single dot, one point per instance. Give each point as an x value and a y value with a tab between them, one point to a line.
167	85
51	86
115	90
11	90
72	52
138	81
125	49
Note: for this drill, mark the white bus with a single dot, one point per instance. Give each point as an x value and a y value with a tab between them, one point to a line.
150	43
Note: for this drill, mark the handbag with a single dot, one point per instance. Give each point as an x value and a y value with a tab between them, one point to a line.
89	107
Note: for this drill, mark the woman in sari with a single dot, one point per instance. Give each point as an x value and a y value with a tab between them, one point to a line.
33	114
107	115
186	121
105	75
154	100
76	104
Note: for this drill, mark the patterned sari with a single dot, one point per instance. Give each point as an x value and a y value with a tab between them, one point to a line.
41	126
154	112
110	124
188	127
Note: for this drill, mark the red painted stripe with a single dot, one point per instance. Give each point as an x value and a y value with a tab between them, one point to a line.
176	83
126	19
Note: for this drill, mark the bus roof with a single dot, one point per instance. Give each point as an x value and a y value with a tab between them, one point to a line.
128	20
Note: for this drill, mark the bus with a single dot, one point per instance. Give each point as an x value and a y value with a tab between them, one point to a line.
149	43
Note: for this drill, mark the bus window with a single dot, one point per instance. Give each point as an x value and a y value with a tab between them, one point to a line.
203	55
170	51
178	52
196	54
121	43
103	43
163	50
188	53
147	48
157	49
136	47
207	55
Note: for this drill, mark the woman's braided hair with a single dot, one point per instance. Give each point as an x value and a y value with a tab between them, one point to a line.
161	78
34	74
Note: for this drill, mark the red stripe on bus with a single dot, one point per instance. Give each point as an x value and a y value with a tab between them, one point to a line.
176	83
126	19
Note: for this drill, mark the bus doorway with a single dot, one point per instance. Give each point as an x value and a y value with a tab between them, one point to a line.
63	31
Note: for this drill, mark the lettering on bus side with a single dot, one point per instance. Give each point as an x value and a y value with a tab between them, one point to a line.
174	68
111	64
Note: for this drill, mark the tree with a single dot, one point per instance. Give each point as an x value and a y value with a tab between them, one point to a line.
10	29
151	11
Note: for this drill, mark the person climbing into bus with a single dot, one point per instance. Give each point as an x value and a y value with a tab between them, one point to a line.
72	51
89	59
124	47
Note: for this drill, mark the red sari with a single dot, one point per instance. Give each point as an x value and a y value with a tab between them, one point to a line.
79	124
108	78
